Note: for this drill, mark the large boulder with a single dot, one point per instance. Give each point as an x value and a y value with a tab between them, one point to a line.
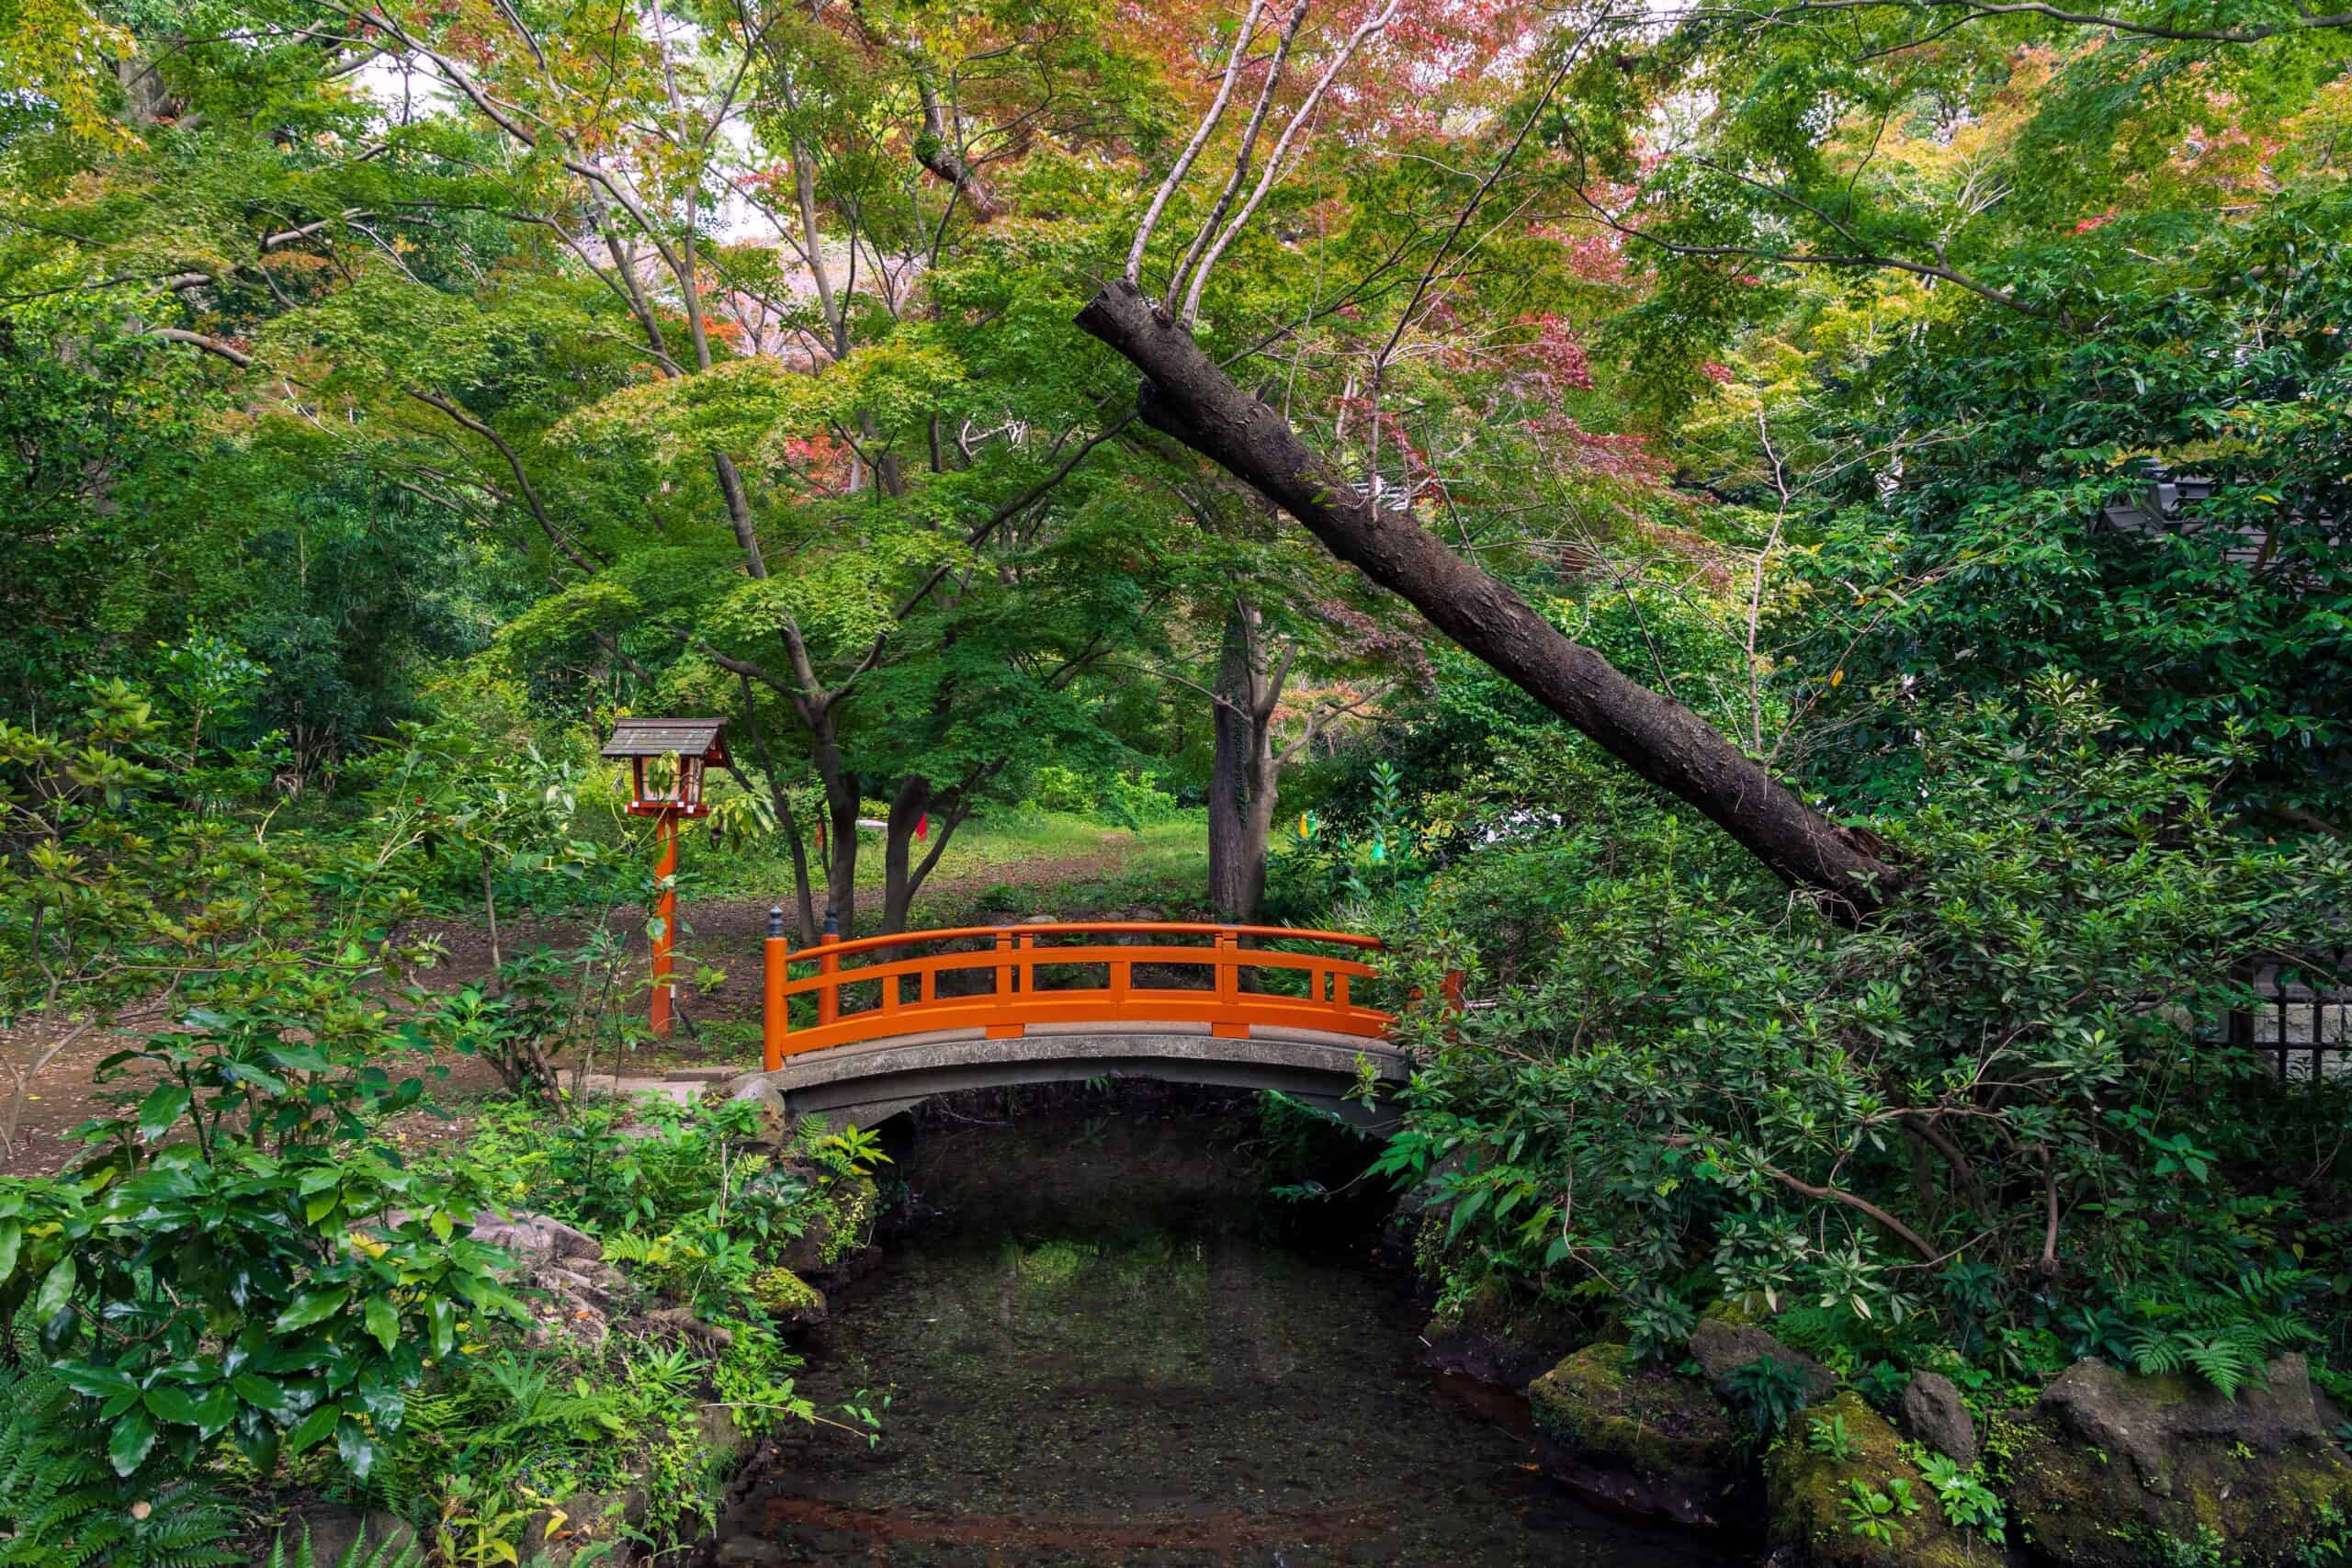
560	1273
1721	1349
574	1303
2112	1465
539	1238
1641	1440
1816	1491
1932	1413
772	1117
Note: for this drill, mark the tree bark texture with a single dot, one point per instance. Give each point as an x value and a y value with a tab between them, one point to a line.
1186	395
1245	776
1229	733
898	882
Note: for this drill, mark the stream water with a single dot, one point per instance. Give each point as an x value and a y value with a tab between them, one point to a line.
1099	1349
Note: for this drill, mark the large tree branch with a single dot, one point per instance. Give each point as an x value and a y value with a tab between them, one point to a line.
215	347
1288	36
1976	9
1862	1205
1201	134
938	150
1188	397
1862	260
1275	159
556	536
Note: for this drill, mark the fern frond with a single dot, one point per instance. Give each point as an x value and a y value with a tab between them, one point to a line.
2221	1358
62	1506
2156	1351
383	1554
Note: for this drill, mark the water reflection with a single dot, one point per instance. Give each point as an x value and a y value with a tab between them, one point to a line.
1099	1355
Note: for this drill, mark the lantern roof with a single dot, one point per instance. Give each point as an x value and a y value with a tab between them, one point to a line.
660	737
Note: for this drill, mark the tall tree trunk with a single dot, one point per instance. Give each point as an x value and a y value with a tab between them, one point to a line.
1245	771
803	892
841	882
841	818
1229	730
1185	395
1258	820
907	809
490	911
949	812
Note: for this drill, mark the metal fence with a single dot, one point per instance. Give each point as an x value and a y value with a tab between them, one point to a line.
2303	1020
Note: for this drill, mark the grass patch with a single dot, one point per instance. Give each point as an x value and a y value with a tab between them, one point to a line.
1029	861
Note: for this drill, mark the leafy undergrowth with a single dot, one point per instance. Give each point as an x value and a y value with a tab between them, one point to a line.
649	1371
220	1331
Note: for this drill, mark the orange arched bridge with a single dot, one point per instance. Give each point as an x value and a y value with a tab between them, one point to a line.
863	1028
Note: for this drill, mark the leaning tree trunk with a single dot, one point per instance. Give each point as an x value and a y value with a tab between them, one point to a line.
1187	396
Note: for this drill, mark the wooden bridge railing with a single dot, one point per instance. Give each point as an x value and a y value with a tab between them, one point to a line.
1013	1000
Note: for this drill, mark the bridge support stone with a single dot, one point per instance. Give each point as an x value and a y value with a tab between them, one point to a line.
870	1081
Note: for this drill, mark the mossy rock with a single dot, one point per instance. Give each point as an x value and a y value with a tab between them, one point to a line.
1502	1336
1740	1312
1723	1348
2117	1471
838	1221
1050	1265
1807	1494
785	1296
1641	1440
854	1202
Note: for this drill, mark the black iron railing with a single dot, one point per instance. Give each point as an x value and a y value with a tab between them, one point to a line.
2303	1018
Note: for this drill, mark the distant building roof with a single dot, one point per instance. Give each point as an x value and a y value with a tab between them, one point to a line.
2160	506
660	736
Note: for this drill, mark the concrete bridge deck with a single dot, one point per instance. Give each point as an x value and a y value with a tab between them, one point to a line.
880	1030
871	1080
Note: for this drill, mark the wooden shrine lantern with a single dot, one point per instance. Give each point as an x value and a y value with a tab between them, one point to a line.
691	745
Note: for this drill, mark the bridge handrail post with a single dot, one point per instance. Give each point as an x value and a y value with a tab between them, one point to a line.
1235	1005
829	968
775	1017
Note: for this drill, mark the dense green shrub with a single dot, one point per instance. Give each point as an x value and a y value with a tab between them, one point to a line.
62	1506
241	1252
1985	1118
696	1220
2218	629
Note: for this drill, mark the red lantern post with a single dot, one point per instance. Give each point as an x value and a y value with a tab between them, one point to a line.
693	744
665	920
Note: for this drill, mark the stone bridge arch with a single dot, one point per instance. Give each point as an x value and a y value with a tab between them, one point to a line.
883	1031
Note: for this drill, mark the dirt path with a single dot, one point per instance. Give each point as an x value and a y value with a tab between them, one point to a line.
722	934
